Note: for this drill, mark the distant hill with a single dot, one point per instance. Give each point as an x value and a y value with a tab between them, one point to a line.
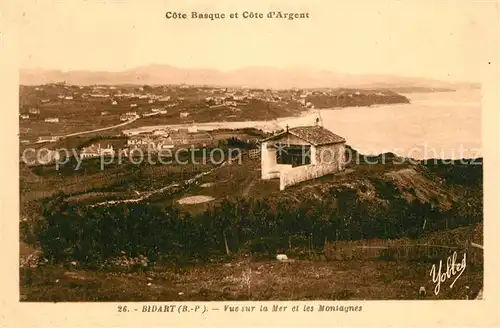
255	77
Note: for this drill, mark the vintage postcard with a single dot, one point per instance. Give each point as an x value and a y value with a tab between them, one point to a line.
238	161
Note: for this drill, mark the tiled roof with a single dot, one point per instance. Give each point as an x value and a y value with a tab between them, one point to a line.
315	135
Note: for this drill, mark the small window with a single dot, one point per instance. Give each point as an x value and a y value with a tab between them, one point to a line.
294	155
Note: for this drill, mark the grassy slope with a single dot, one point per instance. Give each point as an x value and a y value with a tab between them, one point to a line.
270	279
247	279
370	182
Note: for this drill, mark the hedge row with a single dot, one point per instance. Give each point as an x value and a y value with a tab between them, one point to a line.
91	235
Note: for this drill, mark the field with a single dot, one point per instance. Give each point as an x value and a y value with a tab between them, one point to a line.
243	280
247	278
42	182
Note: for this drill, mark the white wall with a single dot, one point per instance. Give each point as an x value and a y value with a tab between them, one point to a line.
267	161
330	154
305	172
325	160
277	170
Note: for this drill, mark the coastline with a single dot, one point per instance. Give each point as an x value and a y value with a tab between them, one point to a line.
424	123
267	126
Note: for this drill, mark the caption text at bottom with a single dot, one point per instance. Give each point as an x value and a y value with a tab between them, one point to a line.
172	308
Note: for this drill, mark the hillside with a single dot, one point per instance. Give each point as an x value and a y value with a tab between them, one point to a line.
160	250
244	279
352	98
388	191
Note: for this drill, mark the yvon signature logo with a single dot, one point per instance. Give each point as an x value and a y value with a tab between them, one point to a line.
453	269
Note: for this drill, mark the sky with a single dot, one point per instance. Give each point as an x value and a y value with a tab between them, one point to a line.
440	40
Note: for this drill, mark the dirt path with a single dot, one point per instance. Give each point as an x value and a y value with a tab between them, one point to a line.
91	131
100	129
248	187
172	187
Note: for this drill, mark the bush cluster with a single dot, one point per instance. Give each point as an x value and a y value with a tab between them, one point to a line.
91	235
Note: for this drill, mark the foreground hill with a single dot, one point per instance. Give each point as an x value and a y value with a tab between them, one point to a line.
246	279
158	249
385	200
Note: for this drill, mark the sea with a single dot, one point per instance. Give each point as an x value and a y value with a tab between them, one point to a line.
444	125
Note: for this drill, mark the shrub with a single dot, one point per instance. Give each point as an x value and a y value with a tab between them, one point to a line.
91	235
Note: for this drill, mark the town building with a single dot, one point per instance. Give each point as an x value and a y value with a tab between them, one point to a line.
52	120
152	143
49	156
95	150
47	139
128	116
230	103
302	153
161	132
179	138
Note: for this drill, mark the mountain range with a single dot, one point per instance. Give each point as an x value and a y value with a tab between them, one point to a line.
253	77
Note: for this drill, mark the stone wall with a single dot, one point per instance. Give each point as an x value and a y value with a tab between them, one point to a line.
330	154
276	171
325	160
305	172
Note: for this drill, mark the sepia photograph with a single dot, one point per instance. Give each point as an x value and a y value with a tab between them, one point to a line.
294	151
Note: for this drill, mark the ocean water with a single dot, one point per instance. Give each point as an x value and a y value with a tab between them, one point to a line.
435	125
443	125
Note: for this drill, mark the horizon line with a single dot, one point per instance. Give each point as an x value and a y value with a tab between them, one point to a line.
283	68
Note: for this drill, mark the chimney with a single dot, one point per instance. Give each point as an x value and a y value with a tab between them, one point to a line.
287	128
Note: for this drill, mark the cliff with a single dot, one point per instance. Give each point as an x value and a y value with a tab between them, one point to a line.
354	98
